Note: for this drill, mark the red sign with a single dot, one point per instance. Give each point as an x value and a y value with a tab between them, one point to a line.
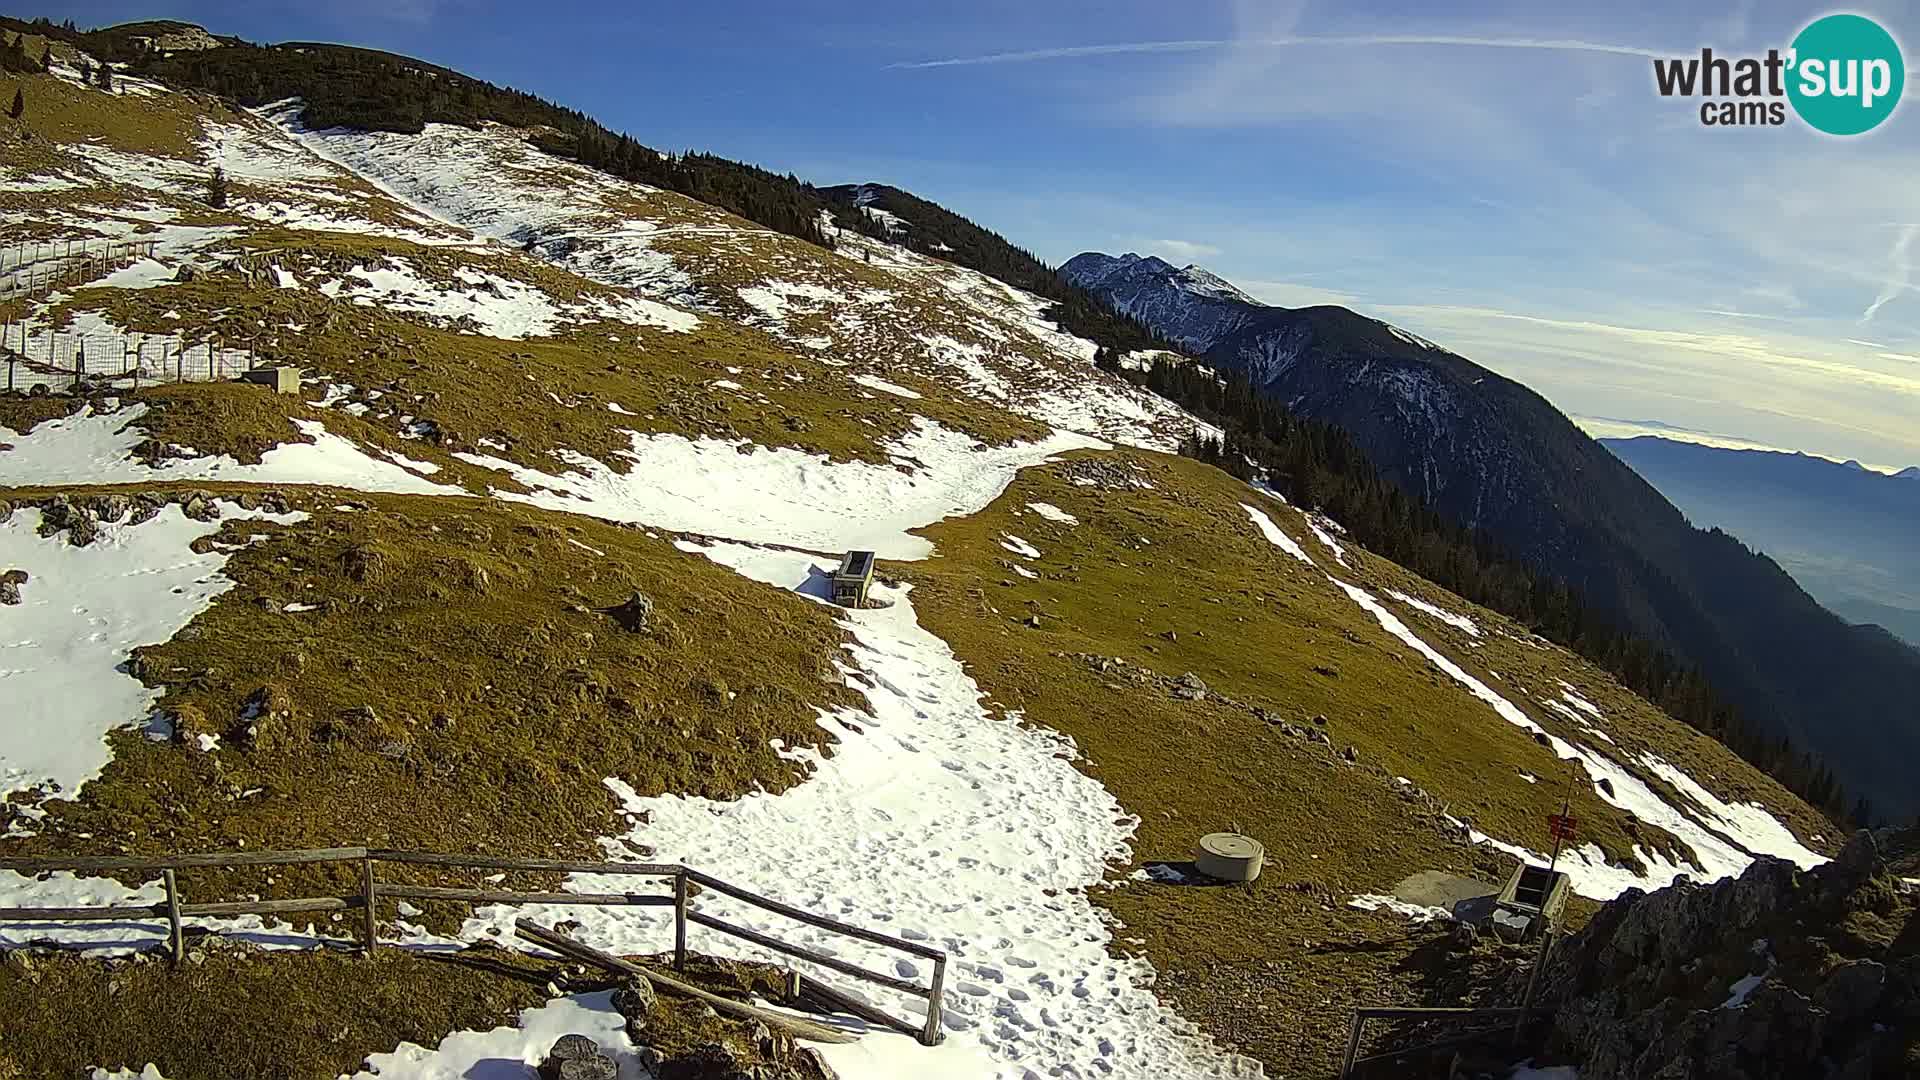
1561	826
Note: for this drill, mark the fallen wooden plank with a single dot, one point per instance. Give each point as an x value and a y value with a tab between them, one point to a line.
566	946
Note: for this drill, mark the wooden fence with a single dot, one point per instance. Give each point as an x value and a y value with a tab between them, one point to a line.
65	359
175	907
1352	1059
37	269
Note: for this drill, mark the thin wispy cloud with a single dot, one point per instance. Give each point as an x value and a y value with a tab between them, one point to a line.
1075	52
1899	272
1183	249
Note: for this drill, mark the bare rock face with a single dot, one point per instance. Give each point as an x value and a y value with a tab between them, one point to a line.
1780	974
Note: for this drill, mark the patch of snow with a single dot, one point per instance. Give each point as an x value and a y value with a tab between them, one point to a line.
1274	536
1458	622
514	1051
1326	539
1053	513
81	613
1018	546
96	448
143	274
1741	990
1419	913
885	387
786	496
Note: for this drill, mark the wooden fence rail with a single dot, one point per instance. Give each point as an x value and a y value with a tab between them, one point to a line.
1352	1059
175	908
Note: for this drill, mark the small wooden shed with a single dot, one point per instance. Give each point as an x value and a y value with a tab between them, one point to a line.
853	579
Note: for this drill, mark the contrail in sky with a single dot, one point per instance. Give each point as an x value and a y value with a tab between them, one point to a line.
1072	52
1899	271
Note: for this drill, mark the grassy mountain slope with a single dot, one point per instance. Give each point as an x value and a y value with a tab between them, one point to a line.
506	353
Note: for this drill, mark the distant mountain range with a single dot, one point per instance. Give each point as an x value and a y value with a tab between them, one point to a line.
1847	533
1496	456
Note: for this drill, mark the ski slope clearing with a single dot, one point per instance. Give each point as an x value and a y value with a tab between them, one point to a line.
82	610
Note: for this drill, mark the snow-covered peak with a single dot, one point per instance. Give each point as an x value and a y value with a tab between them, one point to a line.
1203	282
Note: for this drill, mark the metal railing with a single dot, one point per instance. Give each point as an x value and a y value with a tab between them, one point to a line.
175	908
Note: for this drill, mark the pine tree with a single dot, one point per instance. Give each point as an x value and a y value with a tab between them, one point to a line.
19	104
46	59
217	189
106	76
86	73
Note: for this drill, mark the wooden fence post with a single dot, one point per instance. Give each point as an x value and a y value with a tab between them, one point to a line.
176	939
1353	1046
933	1035
680	920
371	897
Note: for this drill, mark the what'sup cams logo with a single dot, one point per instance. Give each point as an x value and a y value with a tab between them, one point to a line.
1842	75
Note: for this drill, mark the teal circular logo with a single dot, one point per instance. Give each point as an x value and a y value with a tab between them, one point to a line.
1846	74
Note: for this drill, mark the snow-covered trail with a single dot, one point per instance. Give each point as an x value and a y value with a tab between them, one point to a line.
1724	838
937	821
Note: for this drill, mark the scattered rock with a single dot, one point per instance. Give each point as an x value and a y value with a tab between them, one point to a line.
200	507
6	511
577	1057
1188	687
1605	785
363	564
632	614
110	508
1351	755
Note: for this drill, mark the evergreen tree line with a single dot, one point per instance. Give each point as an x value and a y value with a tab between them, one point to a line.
368	90
933	230
1319	466
374	91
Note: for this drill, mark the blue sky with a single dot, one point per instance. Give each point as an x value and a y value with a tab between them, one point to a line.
1499	178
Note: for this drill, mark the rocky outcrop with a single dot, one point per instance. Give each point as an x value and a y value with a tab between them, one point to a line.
1778	974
